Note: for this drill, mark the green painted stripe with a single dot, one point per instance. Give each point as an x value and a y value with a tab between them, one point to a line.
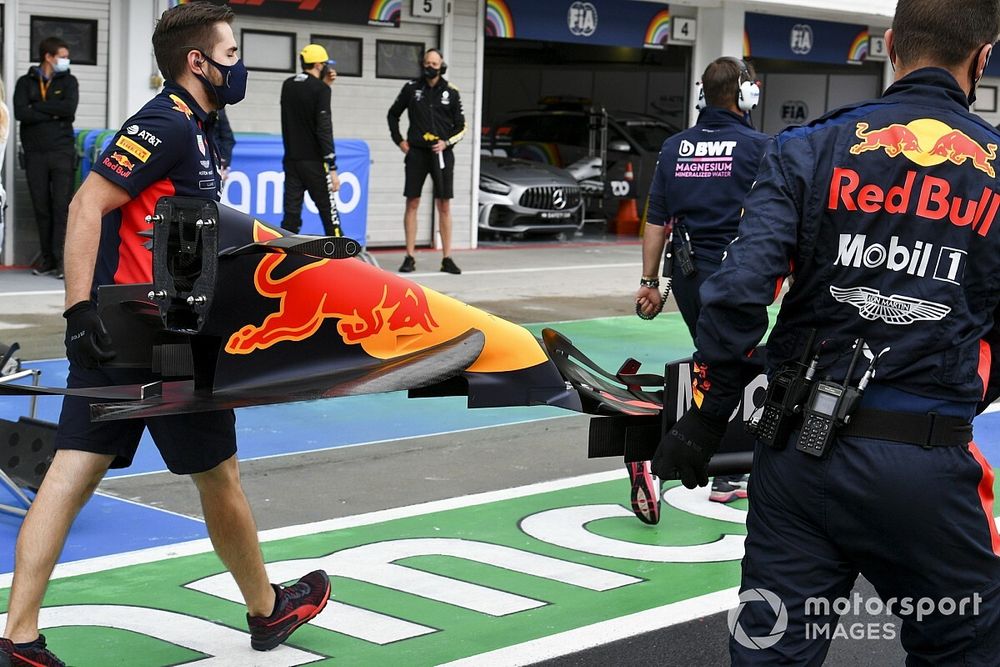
457	632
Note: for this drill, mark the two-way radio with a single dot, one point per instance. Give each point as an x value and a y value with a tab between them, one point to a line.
830	406
685	254
786	392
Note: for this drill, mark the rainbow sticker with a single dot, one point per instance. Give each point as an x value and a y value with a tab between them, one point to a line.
859	49
499	20
385	12
746	44
658	30
537	152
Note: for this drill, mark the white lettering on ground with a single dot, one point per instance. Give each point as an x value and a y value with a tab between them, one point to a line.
226	646
567	527
374	563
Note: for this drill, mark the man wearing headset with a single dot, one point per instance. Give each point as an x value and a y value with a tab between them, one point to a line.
701	178
436	124
310	161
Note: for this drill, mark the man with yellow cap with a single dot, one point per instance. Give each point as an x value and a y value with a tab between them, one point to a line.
310	161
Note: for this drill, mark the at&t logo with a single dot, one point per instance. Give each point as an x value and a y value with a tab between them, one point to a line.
582	19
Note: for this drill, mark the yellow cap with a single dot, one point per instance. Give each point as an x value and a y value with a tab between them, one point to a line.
314	53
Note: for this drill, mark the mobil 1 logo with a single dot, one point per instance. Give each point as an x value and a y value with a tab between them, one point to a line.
919	258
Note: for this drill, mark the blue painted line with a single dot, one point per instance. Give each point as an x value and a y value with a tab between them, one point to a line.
108	526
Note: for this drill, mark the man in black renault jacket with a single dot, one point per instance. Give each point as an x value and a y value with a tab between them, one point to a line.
884	214
310	160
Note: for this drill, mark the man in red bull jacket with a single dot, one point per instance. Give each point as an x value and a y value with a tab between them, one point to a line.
164	149
895	246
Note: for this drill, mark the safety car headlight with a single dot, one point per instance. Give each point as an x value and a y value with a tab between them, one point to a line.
492	185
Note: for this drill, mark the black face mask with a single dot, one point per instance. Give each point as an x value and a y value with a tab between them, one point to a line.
431	72
972	75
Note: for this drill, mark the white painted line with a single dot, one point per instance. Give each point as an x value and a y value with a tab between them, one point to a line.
41	292
6	326
148	507
369	442
531	269
605	632
154	554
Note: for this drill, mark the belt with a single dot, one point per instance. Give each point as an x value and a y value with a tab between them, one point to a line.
928	430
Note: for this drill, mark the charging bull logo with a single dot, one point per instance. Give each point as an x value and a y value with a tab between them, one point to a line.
372	310
181	105
122	161
958	147
926	142
894	139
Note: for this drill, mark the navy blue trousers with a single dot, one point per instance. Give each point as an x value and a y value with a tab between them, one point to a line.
917	523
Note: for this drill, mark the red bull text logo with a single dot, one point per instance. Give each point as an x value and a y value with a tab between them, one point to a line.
926	142
373	310
119	164
926	197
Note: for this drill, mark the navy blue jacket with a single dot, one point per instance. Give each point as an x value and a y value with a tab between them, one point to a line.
883	213
702	176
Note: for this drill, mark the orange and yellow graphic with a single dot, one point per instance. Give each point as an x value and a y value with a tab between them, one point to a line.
386	315
122	161
181	105
927	142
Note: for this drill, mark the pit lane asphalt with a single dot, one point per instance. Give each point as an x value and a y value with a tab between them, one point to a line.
523	282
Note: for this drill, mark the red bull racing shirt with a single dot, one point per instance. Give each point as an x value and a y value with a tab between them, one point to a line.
884	214
163	150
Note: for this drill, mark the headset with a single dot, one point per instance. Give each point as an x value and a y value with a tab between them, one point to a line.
749	92
444	65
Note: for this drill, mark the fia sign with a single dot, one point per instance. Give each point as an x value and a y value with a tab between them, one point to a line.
581	19
801	39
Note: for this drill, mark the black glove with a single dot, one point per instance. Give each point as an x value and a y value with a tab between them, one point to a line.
88	342
685	449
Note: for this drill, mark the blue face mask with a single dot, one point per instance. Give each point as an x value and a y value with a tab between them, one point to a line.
234	82
62	65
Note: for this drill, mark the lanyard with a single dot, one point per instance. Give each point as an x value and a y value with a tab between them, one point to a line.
44	87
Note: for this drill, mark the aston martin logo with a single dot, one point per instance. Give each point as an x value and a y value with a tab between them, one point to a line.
893	309
558	198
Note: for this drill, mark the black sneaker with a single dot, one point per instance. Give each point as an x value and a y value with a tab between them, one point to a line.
449	266
645	492
45	269
295	605
28	655
408	265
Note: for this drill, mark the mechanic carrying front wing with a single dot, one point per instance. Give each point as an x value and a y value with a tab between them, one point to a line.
884	214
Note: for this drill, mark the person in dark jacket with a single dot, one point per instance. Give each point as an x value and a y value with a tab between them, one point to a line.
437	123
701	178
883	212
307	132
45	101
